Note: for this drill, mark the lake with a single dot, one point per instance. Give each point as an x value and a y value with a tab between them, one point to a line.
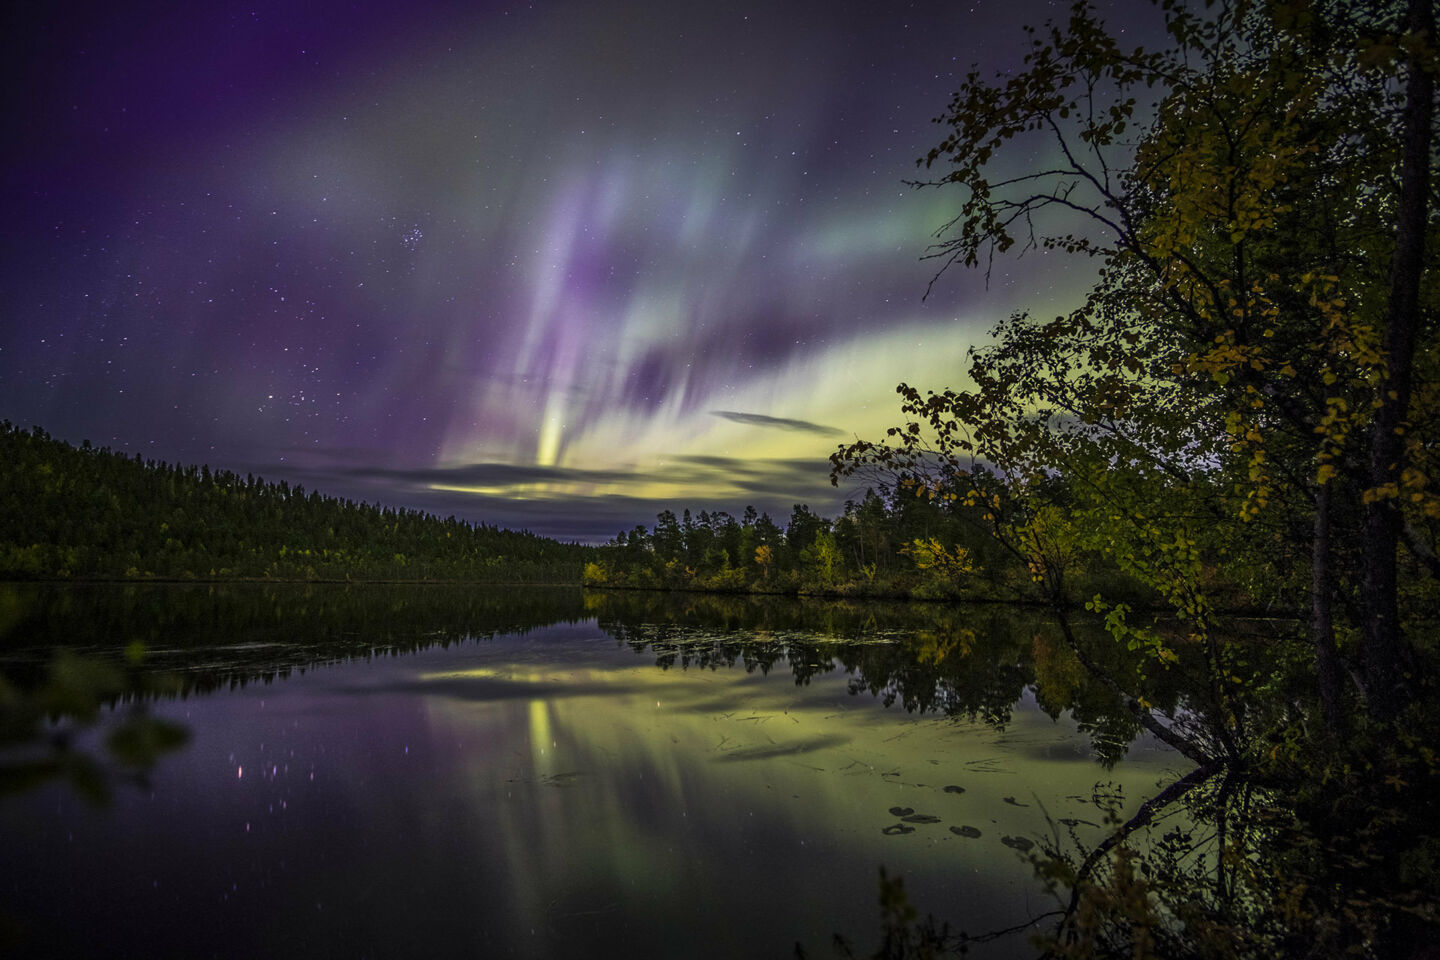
380	771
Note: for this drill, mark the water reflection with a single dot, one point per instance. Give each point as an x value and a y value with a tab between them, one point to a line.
975	662
526	781
689	786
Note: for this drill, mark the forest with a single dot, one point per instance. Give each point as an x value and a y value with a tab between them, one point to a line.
88	512
898	545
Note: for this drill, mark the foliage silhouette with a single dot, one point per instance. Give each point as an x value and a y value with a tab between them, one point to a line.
82	512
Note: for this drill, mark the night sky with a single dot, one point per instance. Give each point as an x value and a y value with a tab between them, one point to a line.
554	266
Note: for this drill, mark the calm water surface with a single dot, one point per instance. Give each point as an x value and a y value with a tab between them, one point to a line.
386	772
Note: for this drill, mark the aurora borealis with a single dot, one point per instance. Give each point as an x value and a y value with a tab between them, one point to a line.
553	266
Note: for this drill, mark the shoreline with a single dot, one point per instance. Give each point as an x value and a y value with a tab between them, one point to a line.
1242	612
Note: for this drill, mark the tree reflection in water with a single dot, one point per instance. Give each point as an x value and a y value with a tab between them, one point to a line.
1279	842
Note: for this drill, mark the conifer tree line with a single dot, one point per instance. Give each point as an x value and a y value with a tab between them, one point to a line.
78	512
891	545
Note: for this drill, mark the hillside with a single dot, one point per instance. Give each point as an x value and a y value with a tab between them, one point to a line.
81	512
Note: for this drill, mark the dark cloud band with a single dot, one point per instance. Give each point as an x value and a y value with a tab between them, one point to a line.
782	423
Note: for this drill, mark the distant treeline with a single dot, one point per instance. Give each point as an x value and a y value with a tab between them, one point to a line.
898	545
84	511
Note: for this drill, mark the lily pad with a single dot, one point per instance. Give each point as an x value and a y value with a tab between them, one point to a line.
1015	803
965	831
1018	843
920	818
901	811
897	829
952	788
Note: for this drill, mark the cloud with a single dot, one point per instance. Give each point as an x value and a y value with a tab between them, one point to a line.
572	503
761	420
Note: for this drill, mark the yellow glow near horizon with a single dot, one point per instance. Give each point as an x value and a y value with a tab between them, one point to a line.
726	750
653	454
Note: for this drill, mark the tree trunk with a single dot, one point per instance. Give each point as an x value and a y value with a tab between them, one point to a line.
1327	661
1385	685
